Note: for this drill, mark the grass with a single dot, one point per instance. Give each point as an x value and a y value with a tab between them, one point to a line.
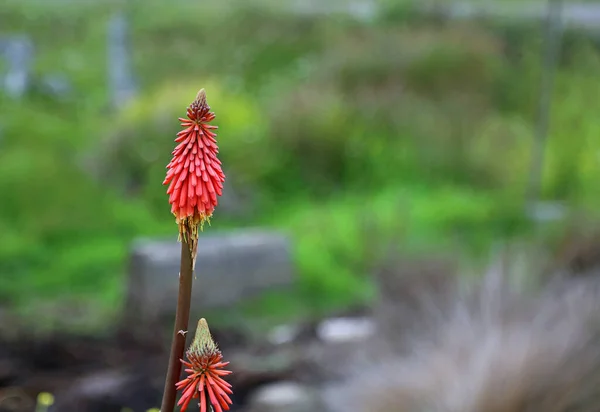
353	137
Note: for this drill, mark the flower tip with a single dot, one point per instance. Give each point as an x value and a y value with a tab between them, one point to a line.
201	98
203	339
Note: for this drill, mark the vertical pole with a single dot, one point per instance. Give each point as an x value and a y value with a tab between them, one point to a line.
552	40
120	71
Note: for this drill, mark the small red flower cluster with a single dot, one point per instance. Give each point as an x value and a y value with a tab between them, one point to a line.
205	374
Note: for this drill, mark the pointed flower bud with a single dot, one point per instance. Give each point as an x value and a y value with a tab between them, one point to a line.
205	374
194	174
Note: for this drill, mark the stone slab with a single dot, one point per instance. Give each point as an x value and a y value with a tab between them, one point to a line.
230	268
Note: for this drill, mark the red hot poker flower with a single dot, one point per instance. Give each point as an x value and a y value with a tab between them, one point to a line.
205	376
194	174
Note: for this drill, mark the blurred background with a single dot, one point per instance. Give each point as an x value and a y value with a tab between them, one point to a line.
351	133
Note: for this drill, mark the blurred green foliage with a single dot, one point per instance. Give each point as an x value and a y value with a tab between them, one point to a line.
351	136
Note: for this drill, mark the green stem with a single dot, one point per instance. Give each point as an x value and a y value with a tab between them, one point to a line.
182	317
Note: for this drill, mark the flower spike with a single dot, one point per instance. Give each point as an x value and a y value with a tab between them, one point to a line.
194	174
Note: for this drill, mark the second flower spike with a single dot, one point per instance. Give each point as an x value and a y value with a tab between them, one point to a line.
204	367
